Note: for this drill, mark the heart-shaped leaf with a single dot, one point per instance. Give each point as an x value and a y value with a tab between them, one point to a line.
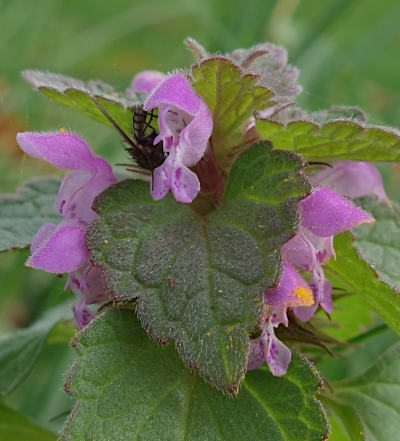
128	388
200	280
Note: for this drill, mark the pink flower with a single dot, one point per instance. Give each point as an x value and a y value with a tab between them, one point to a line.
185	127
352	179
61	248
146	81
291	291
323	214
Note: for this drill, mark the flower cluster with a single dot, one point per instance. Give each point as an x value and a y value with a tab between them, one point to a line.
61	248
185	126
324	213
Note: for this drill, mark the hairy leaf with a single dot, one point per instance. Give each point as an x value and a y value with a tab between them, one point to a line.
358	276
232	98
79	96
375	396
199	280
22	214
127	388
336	140
20	350
379	243
16	427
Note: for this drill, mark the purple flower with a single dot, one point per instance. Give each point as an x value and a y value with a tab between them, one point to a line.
324	213
292	291
144	82
61	248
352	180
185	125
89	285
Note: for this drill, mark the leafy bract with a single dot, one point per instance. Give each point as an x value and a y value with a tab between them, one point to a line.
79	96
22	214
379	243
374	395
200	280
232	98
16	427
127	388
359	277
336	140
20	350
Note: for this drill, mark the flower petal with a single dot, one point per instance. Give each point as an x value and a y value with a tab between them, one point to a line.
322	292
82	314
299	251
326	213
63	252
267	348
91	174
323	246
175	91
278	355
351	179
146	81
88	282
184	116
161	181
43	235
291	291
77	193
185	184
256	355
61	149
172	174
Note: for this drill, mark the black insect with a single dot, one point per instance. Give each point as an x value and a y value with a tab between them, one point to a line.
141	146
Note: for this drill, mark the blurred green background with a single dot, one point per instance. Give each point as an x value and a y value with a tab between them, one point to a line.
347	51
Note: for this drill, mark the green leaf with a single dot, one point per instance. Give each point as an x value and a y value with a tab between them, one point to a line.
79	95
336	140
20	350
375	396
16	427
347	417
200	280
128	388
22	214
232	98
358	277
379	243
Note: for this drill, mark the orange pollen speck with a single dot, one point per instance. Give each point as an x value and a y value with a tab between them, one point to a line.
63	130
304	295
